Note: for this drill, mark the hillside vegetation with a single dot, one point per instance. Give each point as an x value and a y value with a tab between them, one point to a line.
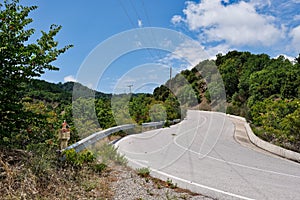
267	92
264	90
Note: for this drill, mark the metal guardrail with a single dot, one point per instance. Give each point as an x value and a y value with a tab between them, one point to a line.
160	123
91	139
151	124
82	144
176	121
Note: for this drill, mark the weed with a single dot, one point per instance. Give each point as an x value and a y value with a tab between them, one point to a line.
150	192
184	196
41	161
143	172
78	159
108	152
171	184
89	185
158	186
170	197
120	159
99	168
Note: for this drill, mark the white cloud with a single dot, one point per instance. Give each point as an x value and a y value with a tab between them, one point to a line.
237	24
189	51
260	3
221	48
69	78
295	35
140	23
296	17
287	57
176	19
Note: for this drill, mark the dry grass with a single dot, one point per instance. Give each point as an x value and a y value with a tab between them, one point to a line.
18	180
22	176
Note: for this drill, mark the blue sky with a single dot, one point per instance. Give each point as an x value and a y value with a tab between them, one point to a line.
271	27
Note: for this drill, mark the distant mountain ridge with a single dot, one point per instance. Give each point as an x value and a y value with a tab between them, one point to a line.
56	92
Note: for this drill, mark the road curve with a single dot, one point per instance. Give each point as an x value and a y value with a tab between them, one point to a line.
202	154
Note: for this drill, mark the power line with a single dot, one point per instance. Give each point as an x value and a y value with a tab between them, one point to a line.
138	16
149	22
131	21
127	14
147	16
135	10
157	52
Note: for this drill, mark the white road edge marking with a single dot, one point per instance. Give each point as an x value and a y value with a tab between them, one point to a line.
160	149
138	162
143	161
191	183
234	163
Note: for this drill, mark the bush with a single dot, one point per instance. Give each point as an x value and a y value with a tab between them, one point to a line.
108	152
78	159
99	168
171	184
143	172
42	161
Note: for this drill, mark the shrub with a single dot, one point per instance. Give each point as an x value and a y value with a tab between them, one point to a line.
99	168
143	172
78	159
171	184
42	161
108	152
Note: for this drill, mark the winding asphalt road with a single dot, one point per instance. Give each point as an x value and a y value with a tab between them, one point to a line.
202	154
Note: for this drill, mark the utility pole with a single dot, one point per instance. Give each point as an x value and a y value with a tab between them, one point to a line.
130	86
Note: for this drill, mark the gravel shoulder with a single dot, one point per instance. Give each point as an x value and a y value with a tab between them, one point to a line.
130	186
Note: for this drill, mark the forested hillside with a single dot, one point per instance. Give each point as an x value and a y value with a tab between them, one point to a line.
50	104
264	90
267	92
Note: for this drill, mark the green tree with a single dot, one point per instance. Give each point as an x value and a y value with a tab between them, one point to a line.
21	61
161	93
229	71
173	108
297	59
291	124
158	113
139	107
104	113
84	116
186	95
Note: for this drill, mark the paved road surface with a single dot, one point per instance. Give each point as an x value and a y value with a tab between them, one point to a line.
201	154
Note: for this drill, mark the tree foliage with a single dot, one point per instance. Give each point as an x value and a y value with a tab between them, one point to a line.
266	91
21	61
